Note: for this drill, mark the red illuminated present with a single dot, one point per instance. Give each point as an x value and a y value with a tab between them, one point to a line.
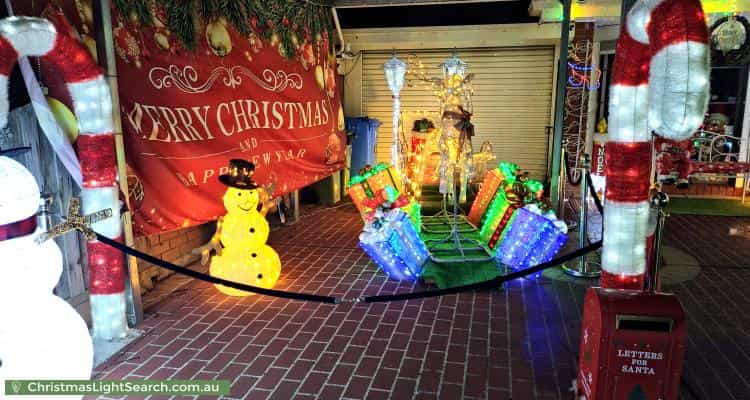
416	160
371	182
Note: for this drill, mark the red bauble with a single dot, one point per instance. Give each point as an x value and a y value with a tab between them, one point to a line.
307	56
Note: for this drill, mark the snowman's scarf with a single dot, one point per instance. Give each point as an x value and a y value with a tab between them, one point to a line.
18	228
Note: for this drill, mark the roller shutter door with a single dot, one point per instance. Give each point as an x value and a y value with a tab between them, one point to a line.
512	99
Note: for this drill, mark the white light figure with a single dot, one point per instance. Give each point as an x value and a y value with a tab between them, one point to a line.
455	144
41	335
395	70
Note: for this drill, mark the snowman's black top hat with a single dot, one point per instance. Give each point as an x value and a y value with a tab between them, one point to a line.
240	174
14	151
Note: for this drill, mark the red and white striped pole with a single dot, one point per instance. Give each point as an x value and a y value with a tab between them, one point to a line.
659	84
27	36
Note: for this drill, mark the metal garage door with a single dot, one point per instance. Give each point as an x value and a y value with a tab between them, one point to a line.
512	99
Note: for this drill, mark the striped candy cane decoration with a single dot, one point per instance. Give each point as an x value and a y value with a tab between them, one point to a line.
660	85
27	36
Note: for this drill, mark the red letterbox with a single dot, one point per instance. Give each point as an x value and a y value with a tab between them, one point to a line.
632	345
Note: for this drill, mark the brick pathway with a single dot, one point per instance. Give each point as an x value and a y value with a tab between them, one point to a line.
520	343
717	362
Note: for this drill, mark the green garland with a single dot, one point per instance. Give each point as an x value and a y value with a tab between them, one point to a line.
294	21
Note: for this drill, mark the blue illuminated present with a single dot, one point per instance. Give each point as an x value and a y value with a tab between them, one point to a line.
531	239
395	246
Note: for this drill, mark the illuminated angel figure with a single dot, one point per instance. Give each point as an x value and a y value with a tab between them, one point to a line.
454	91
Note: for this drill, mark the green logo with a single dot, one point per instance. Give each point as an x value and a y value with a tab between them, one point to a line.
111	387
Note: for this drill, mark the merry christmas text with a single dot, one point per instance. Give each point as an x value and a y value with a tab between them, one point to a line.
207	122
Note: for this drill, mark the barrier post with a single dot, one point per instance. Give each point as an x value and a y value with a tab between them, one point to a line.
563	178
584	269
659	201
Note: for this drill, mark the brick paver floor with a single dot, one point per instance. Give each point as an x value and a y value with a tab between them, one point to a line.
519	343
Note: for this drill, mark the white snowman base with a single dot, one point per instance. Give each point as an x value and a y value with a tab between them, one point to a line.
41	335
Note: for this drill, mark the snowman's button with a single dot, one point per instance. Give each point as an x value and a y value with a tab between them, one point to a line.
260	276
252	230
253	255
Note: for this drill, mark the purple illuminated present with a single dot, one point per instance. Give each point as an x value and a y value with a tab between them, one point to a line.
531	239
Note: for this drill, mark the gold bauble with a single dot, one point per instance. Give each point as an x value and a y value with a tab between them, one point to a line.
90	44
601	127
65	118
320	77
255	43
218	38
342	124
275	39
162	41
85	11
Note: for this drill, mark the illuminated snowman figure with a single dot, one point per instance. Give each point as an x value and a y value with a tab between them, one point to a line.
41	335
245	257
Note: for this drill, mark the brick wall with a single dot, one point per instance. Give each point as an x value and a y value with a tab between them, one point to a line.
175	247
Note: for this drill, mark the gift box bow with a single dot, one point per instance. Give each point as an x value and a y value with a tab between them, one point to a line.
385	199
549	215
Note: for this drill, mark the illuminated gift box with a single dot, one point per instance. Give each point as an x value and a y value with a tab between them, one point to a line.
490	184
503	207
381	186
395	246
371	182
531	238
414	211
416	161
505	174
499	216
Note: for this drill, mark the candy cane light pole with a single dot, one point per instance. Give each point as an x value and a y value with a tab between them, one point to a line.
37	37
660	85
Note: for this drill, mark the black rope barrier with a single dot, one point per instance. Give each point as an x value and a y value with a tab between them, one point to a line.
488	284
212	279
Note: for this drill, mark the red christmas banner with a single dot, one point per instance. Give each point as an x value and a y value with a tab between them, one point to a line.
186	113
